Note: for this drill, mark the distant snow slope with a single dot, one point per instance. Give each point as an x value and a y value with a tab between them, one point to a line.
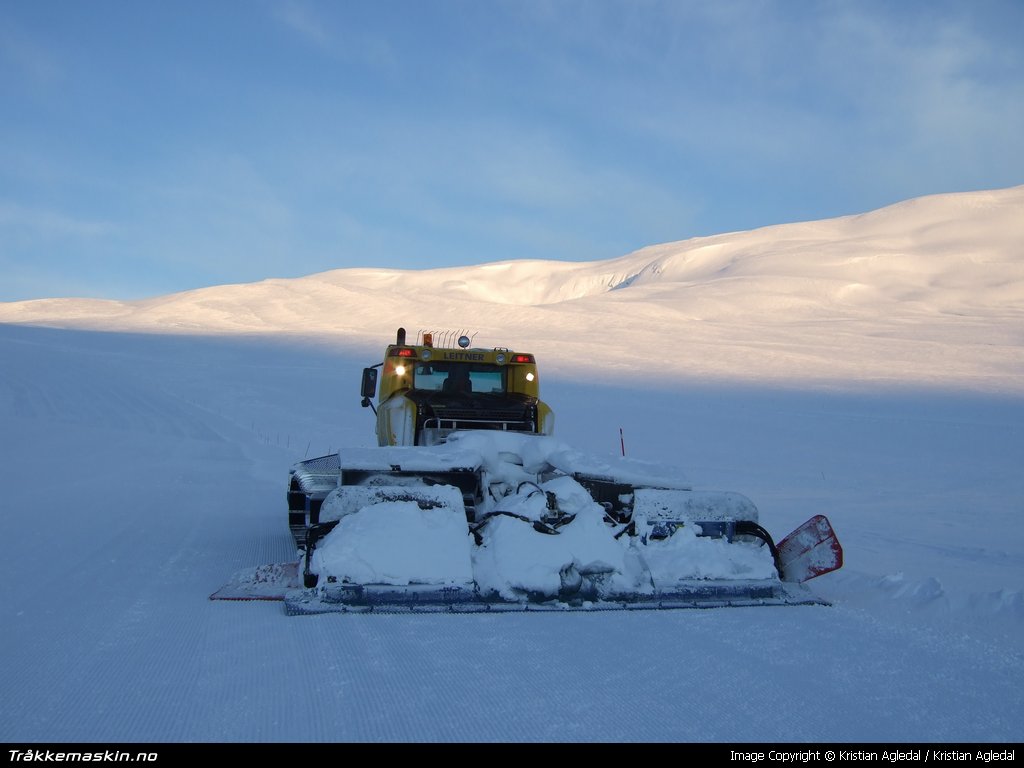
928	291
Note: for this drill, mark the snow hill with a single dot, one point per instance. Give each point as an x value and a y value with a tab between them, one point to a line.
928	291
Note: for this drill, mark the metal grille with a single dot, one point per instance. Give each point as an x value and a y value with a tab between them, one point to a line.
481	414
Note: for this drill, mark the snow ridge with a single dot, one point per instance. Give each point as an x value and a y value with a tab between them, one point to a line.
929	291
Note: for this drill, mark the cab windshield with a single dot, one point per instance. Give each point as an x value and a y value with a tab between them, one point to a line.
459	378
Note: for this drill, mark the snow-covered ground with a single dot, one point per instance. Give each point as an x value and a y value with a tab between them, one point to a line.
141	470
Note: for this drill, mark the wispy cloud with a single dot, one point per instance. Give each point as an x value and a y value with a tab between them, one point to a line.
330	30
21	222
302	19
36	62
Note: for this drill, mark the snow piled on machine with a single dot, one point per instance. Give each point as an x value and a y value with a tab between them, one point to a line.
536	533
514	559
397	542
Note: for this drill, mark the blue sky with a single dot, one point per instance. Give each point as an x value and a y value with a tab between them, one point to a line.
150	147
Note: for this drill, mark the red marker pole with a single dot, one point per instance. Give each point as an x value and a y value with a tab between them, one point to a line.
622	441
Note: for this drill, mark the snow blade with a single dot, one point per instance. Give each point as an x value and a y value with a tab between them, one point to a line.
381	598
264	582
809	551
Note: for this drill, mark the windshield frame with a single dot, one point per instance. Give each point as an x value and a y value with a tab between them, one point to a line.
485	378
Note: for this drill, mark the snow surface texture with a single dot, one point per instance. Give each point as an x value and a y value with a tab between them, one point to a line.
928	291
140	472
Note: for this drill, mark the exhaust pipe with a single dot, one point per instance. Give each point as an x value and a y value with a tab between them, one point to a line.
401	337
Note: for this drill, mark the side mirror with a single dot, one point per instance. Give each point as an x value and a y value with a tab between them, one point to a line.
369	387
